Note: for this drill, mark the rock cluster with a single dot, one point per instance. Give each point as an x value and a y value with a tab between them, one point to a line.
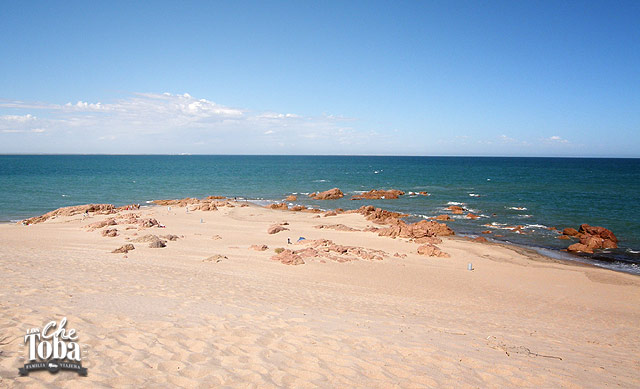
378	215
591	238
291	198
331	194
103	209
432	251
421	229
337	227
377	194
288	257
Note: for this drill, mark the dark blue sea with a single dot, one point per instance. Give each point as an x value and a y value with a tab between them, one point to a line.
533	192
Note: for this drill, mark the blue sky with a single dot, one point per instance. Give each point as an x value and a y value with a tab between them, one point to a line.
391	78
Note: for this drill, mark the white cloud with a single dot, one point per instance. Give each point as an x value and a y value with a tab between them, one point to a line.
557	139
171	123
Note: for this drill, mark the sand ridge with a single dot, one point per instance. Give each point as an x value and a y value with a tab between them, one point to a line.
164	316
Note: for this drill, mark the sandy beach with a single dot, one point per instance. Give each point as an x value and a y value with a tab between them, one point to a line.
208	310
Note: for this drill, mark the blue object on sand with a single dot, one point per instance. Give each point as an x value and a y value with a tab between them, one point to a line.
300	238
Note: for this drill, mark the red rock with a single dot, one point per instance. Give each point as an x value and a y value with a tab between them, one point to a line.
420	229
110	232
288	257
443	217
564	237
598	231
424	194
291	198
102	223
148	222
570	232
456	210
330	213
338	227
124	249
298	208
274	229
487	232
480	239
428	239
104	209
377	194
259	247
472	216
579	247
282	206
331	194
431	251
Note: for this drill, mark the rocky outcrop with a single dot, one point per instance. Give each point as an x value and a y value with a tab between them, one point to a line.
274	229
417	230
424	194
443	217
102	209
324	249
288	257
153	240
472	216
291	198
591	238
298	208
430	250
377	194
281	206
331	194
177	202
378	215
570	232
480	239
148	223
102	223
337	227
124	249
110	232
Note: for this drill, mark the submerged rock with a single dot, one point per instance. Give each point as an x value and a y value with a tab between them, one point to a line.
377	194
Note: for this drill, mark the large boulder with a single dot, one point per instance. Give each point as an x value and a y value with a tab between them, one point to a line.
331	194
291	198
282	206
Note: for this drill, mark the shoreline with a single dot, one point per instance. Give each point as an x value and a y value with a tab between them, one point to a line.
569	258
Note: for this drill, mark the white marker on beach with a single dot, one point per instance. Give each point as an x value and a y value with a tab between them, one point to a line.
470	266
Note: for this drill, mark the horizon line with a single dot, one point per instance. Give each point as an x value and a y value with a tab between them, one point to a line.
319	155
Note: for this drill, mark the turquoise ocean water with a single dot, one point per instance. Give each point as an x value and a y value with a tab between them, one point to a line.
532	192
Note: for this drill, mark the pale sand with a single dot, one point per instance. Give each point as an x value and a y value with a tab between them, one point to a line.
163	317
